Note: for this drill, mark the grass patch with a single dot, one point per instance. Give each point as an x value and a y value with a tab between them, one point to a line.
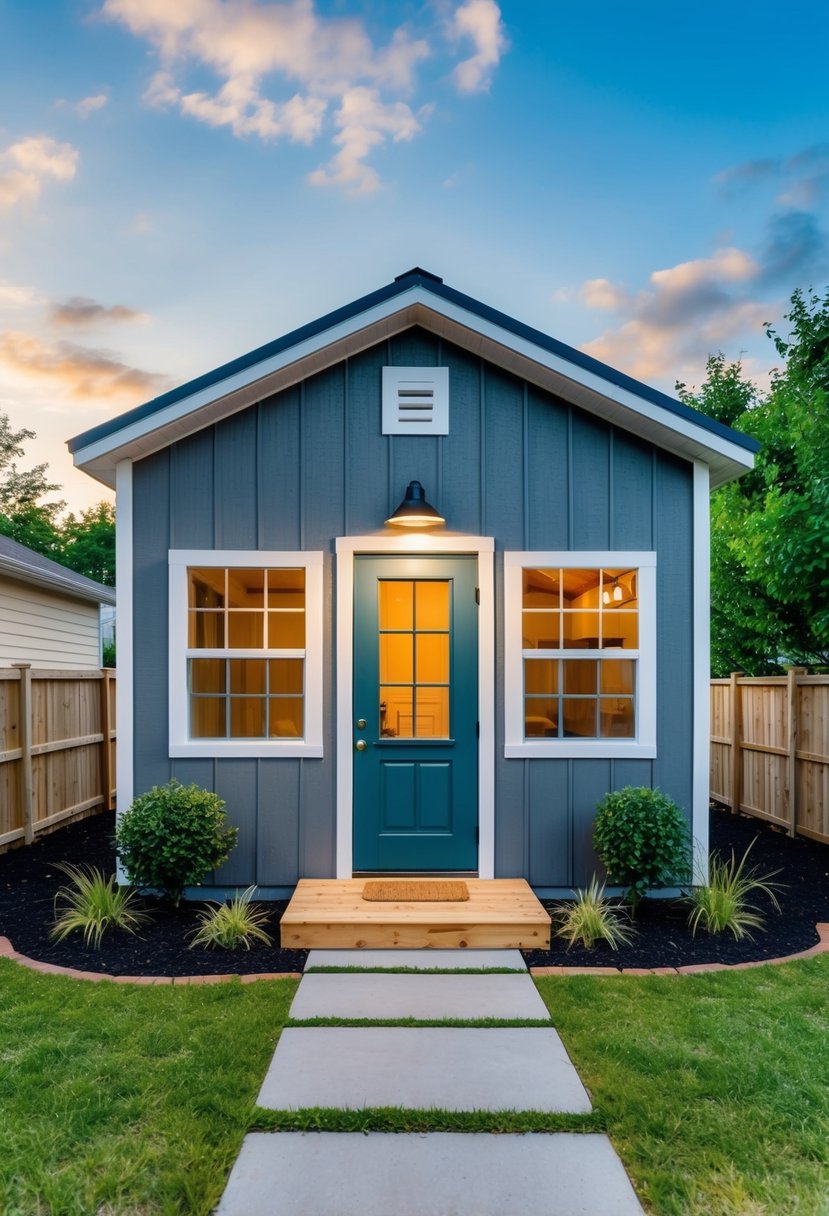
399	1119
480	1023
714	1088
127	1099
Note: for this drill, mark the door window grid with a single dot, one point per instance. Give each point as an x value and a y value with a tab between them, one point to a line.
413	641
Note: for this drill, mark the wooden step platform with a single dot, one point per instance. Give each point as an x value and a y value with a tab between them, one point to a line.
501	913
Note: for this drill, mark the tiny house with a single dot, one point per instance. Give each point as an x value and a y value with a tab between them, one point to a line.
411	588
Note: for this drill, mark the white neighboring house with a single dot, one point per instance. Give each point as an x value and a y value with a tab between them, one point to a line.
49	615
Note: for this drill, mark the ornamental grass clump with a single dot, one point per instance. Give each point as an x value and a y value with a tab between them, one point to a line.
642	838
724	903
233	925
172	836
591	918
92	904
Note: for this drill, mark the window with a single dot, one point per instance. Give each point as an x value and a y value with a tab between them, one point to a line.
245	653
580	654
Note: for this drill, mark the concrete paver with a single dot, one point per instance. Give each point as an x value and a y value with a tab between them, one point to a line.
440	1174
454	1069
417	996
421	960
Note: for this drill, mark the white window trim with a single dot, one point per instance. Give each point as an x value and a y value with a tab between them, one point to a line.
644	745
180	744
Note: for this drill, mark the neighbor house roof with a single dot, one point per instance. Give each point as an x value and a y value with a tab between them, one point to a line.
23	564
416	298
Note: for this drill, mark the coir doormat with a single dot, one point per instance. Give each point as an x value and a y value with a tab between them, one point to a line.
395	890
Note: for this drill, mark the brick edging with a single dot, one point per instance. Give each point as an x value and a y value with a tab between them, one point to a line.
7	950
822	947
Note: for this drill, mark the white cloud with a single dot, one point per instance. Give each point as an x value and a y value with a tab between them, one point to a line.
86	105
17	295
687	311
25	166
480	21
286	71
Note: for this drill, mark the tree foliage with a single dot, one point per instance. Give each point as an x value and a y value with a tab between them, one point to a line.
85	543
770	529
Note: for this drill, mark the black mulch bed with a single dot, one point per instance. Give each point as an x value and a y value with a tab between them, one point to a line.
29	879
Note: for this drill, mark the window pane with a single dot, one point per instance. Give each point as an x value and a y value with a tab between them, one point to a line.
286	588
540	717
540	675
206	630
431	604
618	675
540	630
432	658
245	630
580	676
619	589
541	588
206	588
581	630
247	717
247	675
432	713
617	717
207	718
581	588
396	714
579	717
208	675
396	661
396	604
285	675
286	717
246	589
286	630
620	629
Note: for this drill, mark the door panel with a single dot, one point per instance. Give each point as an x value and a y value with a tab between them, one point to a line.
416	689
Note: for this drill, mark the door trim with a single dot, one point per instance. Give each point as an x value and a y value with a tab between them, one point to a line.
348	548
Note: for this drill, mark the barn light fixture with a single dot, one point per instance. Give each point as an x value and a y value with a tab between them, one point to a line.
414	511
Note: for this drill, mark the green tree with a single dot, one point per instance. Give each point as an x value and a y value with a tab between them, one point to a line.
770	530
88	543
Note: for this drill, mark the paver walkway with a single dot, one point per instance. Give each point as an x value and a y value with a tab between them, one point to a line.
421	1067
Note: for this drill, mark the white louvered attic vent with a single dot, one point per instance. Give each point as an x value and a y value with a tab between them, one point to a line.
415	400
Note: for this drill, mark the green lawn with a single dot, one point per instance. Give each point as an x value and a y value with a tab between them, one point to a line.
134	1100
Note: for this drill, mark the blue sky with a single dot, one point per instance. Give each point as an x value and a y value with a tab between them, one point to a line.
183	180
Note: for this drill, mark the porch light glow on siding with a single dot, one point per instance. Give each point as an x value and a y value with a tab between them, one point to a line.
414	511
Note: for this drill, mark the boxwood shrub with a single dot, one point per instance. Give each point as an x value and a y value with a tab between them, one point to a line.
171	836
642	838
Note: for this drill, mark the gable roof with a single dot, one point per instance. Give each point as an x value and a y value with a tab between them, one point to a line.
21	563
416	298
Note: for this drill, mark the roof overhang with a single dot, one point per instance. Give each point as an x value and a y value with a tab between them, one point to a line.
524	352
45	579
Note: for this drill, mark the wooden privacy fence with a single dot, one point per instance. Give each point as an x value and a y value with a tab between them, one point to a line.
770	749
57	747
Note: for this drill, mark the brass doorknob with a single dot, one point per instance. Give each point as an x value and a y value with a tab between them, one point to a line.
361	745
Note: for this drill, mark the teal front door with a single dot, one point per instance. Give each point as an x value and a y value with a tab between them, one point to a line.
415	714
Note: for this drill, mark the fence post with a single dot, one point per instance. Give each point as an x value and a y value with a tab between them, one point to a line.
26	778
791	762
106	727
736	743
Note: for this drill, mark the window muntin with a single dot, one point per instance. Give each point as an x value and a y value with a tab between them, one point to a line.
245	653
580	654
413	640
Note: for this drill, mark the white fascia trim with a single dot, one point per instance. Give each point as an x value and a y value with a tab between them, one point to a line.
179	410
179	744
124	771
515	745
702	670
484	548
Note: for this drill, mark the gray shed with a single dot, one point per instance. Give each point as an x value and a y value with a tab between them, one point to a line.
446	683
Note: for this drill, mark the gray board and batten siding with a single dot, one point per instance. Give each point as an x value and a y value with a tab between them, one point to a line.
310	464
